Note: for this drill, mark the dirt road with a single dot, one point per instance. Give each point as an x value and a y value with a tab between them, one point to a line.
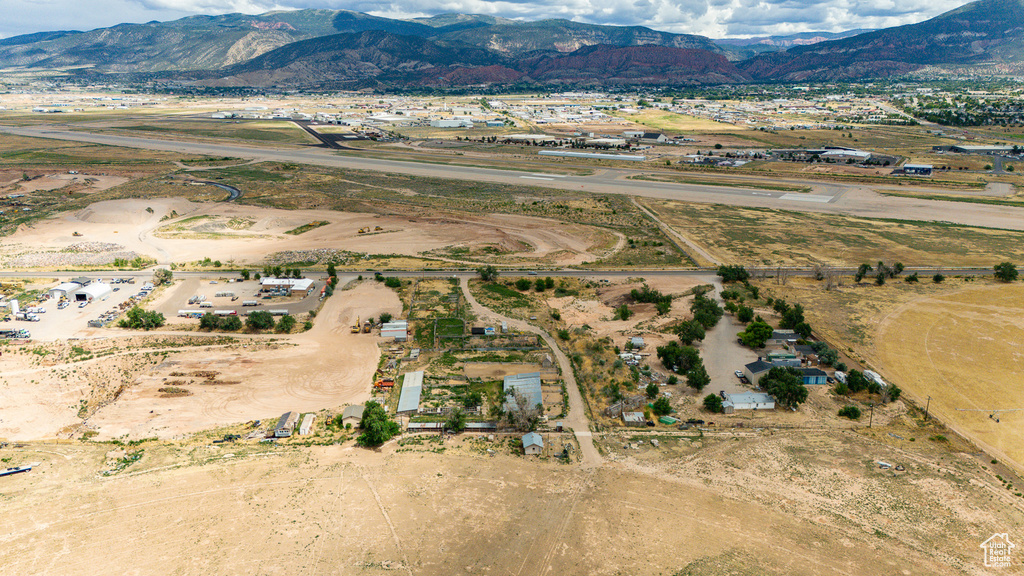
577	418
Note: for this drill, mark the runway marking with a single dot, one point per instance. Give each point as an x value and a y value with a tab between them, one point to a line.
551	175
536	178
806	198
760	194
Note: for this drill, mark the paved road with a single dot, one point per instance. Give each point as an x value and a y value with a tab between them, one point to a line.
464	273
577	418
855	199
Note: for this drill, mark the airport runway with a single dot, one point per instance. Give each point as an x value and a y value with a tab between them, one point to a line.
826	197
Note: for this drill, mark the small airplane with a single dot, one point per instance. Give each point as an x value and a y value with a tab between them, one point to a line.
992	413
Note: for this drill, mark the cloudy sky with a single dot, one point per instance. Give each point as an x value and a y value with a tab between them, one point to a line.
714	18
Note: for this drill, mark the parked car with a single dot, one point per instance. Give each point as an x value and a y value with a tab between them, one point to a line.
738	374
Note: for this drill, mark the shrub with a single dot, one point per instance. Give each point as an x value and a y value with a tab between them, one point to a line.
523	284
713	403
662	406
139	319
851	412
259	320
285	324
623	313
392	282
733	273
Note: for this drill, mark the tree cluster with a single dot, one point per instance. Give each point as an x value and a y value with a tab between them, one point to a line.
1005	272
706	311
139	319
662	302
786	385
211	321
377	426
733	273
519	415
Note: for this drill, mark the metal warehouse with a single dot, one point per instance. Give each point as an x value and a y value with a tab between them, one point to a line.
412	387
527	384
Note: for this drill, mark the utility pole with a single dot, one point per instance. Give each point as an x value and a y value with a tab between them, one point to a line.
926	405
871	419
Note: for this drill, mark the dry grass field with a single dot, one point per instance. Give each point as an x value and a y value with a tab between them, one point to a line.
765	236
964	350
675	123
249	130
745	504
958	342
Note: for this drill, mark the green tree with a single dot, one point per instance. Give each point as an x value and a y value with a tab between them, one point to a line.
623	313
456	422
744	314
678	359
756	334
786	385
652	390
690	331
331	270
487	273
377	426
706	311
139	319
938	278
259	320
792	317
523	284
850	411
733	273
662	406
697	377
285	324
856	381
296	273
385	317
713	403
539	286
803	329
563	334
230	323
911	278
1006	272
549	282
244	274
208	321
392	282
162	276
473	399
862	271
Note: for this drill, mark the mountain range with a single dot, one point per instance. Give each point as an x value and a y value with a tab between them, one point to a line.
339	48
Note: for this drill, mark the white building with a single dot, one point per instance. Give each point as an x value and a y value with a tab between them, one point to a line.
94	291
748	401
399	330
65	290
300	286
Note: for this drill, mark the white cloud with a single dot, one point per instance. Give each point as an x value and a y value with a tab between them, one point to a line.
714	18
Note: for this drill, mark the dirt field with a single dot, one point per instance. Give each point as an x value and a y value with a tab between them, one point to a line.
963	349
797	503
247	234
259	379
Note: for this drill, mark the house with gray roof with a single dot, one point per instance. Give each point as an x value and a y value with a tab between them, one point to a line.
533	444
